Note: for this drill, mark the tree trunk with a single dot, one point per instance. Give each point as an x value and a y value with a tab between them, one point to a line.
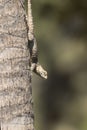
15	78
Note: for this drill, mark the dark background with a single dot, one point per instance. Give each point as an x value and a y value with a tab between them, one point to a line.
60	102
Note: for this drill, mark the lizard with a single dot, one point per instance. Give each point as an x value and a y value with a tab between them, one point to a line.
34	64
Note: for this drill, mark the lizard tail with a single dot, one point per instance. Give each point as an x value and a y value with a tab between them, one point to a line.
30	22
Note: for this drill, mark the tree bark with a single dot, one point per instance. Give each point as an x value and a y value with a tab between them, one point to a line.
15	78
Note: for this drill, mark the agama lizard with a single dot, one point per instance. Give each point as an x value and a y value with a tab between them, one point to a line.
35	66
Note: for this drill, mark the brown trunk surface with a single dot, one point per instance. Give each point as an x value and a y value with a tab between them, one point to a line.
15	79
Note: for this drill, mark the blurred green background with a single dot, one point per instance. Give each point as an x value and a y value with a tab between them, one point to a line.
60	102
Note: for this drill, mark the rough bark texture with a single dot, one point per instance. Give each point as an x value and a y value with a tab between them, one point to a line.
15	77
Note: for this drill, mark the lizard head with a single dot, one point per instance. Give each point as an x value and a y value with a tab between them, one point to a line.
41	72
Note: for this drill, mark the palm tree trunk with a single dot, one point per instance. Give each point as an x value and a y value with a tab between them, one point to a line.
15	78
